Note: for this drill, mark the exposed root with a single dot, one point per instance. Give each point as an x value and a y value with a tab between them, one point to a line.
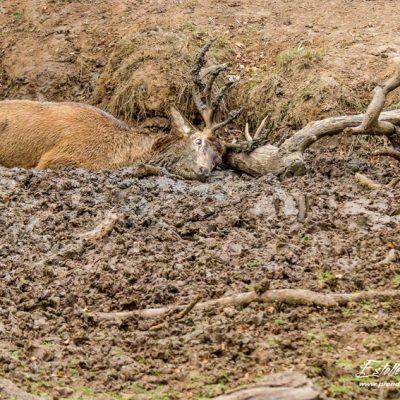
370	184
295	297
387	151
284	386
371	123
101	230
10	389
363	180
289	155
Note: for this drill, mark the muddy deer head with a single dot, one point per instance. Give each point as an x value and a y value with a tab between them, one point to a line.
202	151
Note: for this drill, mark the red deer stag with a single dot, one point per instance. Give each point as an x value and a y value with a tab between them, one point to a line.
53	135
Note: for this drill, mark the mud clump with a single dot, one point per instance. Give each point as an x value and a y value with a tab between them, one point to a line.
170	241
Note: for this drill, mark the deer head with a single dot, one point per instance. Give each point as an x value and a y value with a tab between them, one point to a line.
201	150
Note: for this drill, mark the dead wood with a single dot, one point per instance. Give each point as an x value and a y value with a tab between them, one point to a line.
296	297
287	159
370	123
10	389
387	151
283	386
370	184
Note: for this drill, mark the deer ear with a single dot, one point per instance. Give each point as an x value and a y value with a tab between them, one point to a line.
181	123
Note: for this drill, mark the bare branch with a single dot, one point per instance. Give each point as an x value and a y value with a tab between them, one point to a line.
370	123
295	297
387	151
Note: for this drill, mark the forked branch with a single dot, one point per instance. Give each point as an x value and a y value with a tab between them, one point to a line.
371	124
296	297
287	159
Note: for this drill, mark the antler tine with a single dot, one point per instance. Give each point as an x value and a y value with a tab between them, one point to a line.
213	76
198	87
232	115
260	128
202	93
199	63
247	133
221	93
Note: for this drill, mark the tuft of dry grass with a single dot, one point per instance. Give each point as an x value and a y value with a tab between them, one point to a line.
149	71
298	58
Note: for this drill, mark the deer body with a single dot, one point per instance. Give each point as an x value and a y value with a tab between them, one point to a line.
52	135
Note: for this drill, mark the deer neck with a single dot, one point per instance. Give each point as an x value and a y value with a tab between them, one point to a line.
166	150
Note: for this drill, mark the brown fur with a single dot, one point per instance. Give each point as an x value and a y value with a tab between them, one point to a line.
53	135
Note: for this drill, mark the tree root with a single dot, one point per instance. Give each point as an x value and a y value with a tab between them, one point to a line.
288	156
297	297
387	151
370	184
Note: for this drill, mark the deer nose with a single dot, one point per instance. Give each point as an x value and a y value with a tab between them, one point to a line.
204	172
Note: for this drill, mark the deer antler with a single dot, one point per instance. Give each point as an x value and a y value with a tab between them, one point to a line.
251	143
202	93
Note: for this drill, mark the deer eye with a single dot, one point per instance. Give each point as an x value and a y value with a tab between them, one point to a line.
198	141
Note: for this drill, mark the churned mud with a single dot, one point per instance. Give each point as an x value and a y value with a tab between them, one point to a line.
170	241
74	243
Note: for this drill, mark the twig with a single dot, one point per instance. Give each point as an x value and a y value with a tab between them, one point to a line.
189	308
181	315
287	296
387	151
370	184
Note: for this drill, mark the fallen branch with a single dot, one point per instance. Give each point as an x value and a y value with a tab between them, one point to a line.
287	296
12	390
370	184
287	159
387	151
283	386
178	317
371	123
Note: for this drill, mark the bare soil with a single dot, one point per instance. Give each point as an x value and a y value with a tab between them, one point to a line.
175	240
